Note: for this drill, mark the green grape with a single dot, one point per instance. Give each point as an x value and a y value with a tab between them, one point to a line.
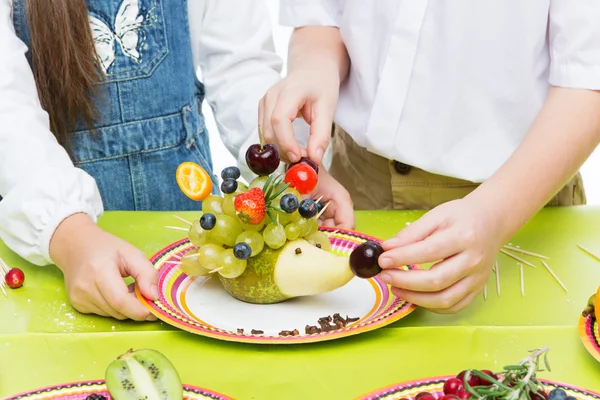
242	187
304	226
274	236
231	267
190	265
226	230
292	231
228	207
254	240
258	182
212	204
319	238
314	226
255	228
208	256
197	235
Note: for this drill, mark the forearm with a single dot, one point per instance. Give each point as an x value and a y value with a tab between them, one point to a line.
564	134
320	47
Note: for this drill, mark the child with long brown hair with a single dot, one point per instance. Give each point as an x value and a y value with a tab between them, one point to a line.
99	104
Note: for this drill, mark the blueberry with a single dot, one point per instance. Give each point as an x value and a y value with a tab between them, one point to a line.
242	251
308	208
558	394
229	186
570	398
95	396
230	173
289	203
208	221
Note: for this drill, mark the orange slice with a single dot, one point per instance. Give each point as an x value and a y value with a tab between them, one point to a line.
193	181
597	305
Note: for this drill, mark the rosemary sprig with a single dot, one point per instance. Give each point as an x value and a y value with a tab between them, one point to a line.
515	382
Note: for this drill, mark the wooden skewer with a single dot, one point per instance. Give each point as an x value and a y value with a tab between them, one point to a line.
497	270
554	275
177	228
522	280
191	255
3	290
185	221
529	253
319	199
323	210
173	262
216	270
519	259
591	253
177	256
485	292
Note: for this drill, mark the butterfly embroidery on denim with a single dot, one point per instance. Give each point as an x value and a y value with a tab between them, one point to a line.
127	25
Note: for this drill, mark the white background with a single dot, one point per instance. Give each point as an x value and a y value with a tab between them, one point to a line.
222	158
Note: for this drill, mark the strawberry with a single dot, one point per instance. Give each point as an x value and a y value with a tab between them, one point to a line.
250	206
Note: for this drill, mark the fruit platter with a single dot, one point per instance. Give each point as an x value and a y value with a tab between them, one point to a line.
136	374
255	266
589	331
518	382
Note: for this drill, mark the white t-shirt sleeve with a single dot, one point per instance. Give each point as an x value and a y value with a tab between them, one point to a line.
575	44
38	182
233	46
298	13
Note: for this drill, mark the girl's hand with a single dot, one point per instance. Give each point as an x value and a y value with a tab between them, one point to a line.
94	264
463	237
340	212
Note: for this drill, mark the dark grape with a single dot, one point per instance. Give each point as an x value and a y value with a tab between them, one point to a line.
242	251
289	203
208	221
364	259
229	186
557	394
306	161
231	173
262	161
307	208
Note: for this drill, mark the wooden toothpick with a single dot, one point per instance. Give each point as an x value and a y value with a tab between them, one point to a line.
497	271
216	270
173	262
529	253
185	221
323	210
519	259
522	280
177	228
591	253
485	292
554	275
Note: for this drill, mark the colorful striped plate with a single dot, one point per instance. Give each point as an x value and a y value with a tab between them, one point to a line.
80	390
589	331
434	386
200	305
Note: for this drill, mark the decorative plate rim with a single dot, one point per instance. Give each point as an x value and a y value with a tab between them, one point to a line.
403	386
586	333
399	311
101	382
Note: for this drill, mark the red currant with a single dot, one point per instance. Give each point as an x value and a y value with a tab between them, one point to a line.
453	385
483	381
302	177
473	379
14	278
425	396
463	394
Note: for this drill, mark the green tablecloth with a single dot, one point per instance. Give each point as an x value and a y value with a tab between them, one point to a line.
43	341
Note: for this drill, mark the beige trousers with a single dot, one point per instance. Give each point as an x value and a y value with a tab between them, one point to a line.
376	183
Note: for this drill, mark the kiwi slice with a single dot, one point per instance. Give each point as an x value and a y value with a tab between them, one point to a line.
143	374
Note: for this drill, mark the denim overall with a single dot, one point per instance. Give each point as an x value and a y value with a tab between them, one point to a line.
149	103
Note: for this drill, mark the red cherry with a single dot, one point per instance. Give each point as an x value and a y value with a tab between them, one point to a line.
483	381
462	394
453	385
424	396
262	160
302	177
14	278
306	161
473	379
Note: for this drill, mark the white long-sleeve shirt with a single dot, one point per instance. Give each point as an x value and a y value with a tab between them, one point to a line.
233	49
452	86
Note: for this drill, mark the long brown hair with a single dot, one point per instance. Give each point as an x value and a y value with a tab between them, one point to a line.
63	60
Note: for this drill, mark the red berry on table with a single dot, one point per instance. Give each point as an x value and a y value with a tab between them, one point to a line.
424	396
262	160
473	379
250	206
483	381
302	177
453	385
306	161
14	278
